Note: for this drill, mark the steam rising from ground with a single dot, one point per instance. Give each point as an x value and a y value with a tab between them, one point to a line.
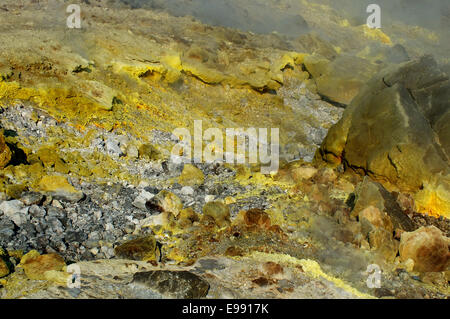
284	16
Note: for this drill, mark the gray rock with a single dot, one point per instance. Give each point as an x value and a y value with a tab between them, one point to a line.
187	190
32	198
112	146
72	197
36	211
396	129
15	211
141	200
6	230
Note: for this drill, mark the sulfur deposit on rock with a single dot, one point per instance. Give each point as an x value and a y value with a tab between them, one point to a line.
5	153
392	130
89	119
427	247
59	188
339	80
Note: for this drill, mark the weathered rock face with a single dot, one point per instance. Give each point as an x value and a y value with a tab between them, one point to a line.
427	247
370	193
395	129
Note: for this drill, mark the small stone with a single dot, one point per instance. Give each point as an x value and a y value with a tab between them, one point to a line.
143	248
272	268
428	247
31	198
187	190
173	284
132	151
234	251
261	281
35	265
56	203
107	251
112	147
37	212
219	212
209	198
301	173
257	217
98	214
165	201
141	200
376	218
191	176
148	151
187	217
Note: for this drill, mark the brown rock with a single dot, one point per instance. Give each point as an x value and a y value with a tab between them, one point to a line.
36	265
427	247
143	248
272	268
370	193
234	251
257	217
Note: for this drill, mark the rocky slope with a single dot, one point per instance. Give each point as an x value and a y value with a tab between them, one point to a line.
90	195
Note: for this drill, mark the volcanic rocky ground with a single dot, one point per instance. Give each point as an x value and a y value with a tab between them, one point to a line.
90	194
